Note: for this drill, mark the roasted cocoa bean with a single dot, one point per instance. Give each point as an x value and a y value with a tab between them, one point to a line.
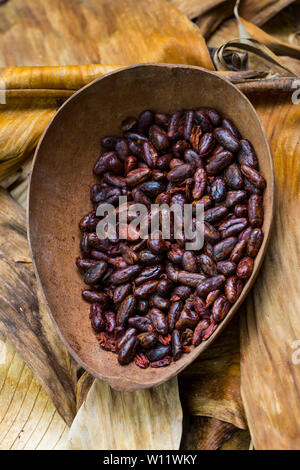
126	310
245	267
255	210
233	289
127	351
158	320
176	345
97	317
254	242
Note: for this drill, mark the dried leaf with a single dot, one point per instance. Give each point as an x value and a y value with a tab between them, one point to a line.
111	420
83	386
114	32
206	433
211	385
210	20
194	8
260	11
270	325
278	47
24	320
28	418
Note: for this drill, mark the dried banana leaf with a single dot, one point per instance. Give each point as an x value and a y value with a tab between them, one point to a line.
202	433
209	21
24	320
270	328
28	418
114	32
112	420
275	45
211	385
260	11
194	8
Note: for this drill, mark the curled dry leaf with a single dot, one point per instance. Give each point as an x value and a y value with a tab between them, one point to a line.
146	419
28	418
270	330
212	434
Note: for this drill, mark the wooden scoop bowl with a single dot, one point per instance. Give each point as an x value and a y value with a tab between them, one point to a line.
59	194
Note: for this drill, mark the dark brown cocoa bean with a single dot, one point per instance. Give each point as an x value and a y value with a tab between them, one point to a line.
163	161
254	242
255	210
224	248
209	285
245	267
241	210
123	338
189	279
147	258
192	157
180	147
220	309
108	162
137	176
140	323
235	197
230	126
207	265
97	317
245	234
182	292
144	121
247	155
142	306
233	289
188	124
164	286
189	262
89	222
233	227
145	290
174	313
180	173
238	251
206	145
227	268
158	353
148	274
227	139
215	214
254	177
218	190
175	255
159	302
125	275
203	120
84	245
147	340
130	164
95	273
85	264
200	180
233	177
109	142
92	296
162	120
111	323
128	350
211	297
176	345
122	149
198	332
126	310
158	320
187	319
128	254
120	292
211	235
218	162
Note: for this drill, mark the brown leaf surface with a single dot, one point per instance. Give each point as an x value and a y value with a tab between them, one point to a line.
28	418
211	385
275	45
194	8
270	325
111	420
24	320
260	11
115	32
206	433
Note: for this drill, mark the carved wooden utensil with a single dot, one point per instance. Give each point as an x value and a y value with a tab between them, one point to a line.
59	194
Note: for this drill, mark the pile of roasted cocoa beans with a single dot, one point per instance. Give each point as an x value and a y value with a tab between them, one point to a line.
152	300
